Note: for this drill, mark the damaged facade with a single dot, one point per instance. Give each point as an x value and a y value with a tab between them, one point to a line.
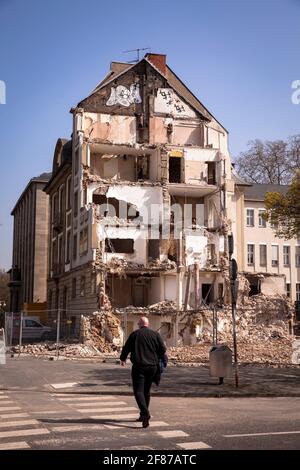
141	203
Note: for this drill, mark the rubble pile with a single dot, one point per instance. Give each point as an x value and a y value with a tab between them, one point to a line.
102	330
159	308
49	348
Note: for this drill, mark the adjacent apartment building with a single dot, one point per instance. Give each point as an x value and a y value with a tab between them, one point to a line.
28	275
142	144
268	260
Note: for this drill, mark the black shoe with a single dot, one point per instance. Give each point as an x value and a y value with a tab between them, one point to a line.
140	419
145	422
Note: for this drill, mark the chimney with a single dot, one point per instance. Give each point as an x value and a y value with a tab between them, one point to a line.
158	60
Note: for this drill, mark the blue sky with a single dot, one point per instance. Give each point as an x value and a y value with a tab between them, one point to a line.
238	57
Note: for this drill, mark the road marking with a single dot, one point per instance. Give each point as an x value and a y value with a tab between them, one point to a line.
104	403
14	415
3	397
108	397
23	432
64	385
11	424
115	417
14	445
118	425
106	410
262	434
9	408
7	402
176	433
193	445
75	427
49	412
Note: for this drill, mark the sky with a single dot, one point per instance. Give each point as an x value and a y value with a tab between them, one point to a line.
239	58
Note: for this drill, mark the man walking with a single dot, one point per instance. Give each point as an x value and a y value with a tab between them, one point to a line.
146	348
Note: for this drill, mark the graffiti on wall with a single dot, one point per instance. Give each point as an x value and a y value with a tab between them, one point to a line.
124	96
167	101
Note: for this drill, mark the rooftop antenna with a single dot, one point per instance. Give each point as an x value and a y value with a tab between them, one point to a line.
137	52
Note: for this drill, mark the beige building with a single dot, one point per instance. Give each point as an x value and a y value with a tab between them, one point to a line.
271	264
141	143
28	275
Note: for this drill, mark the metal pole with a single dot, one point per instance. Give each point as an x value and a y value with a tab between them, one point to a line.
20	333
57	332
11	329
233	307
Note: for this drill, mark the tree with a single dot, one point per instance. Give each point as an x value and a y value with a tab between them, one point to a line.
283	210
272	162
4	289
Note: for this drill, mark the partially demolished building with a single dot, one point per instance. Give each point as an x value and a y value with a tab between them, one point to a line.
142	200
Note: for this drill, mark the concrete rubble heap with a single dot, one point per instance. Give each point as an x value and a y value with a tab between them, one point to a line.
101	330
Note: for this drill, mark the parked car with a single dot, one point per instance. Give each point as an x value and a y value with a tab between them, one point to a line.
32	329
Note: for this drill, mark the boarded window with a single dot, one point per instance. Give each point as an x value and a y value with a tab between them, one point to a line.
119	245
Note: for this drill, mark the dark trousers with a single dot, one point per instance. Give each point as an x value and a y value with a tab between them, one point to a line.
142	378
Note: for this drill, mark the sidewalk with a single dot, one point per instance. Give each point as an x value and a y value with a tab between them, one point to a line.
111	378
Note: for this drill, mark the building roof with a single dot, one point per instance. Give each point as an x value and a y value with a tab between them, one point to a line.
42	178
120	68
238	179
62	157
257	192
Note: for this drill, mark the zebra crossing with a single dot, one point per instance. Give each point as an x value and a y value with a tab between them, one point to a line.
79	413
11	419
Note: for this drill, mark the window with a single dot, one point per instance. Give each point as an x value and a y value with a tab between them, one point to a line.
75	246
82	286
119	245
275	255
73	287
75	203
61	199
263	255
32	324
250	217
68	243
68	198
297	256
261	220
288	289
54	207
286	255
83	241
93	283
250	254
298	291
60	249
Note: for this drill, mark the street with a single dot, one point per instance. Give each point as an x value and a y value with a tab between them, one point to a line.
43	405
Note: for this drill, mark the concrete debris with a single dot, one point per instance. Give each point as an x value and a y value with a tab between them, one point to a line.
102	330
49	348
160	308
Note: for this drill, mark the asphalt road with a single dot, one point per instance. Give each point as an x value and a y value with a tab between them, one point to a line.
46	407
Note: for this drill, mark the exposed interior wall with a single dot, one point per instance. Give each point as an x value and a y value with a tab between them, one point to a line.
273	285
116	129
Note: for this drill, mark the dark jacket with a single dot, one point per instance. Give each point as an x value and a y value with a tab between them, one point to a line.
145	346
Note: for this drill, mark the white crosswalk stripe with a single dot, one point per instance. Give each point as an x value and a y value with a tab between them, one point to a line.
14	415
106	410
120	424
105	398
96	404
11	424
64	385
23	432
193	445
75	427
9	408
115	417
14	445
168	434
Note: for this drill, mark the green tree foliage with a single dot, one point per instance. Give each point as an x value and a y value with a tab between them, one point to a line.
283	210
272	162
